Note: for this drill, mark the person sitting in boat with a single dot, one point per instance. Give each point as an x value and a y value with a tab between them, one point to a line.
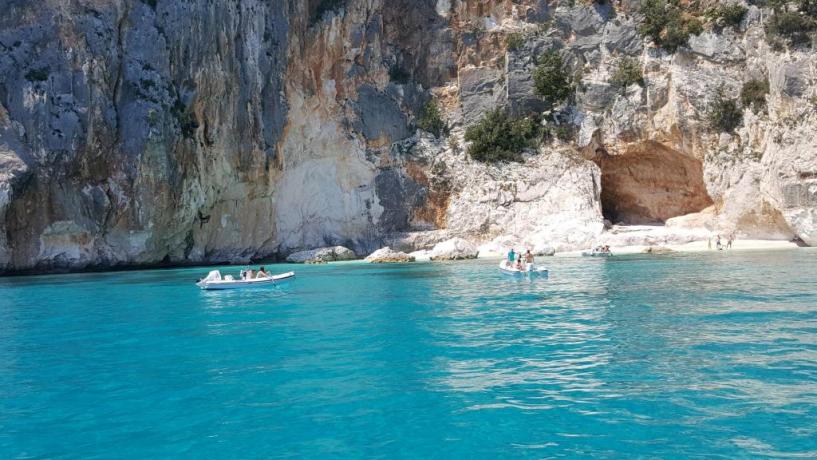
262	274
528	257
519	263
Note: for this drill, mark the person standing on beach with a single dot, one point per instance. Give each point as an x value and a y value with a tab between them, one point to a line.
718	243
709	242
729	241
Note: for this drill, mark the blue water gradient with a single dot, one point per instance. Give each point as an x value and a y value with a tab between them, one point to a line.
684	356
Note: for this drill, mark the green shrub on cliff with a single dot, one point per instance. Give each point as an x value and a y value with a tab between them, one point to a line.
498	137
628	72
431	120
753	94
550	79
724	113
563	132
667	24
792	26
727	15
515	41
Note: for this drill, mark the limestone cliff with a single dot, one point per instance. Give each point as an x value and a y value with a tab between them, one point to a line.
137	132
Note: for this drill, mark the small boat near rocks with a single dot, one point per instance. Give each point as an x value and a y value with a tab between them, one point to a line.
214	281
598	251
528	269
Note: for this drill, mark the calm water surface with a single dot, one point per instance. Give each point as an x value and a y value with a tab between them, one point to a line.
711	355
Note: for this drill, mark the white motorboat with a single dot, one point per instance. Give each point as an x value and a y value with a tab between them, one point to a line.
597	252
214	281
527	269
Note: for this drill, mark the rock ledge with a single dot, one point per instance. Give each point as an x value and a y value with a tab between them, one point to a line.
389	256
332	254
454	249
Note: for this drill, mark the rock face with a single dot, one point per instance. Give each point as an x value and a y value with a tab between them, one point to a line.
137	132
388	256
454	249
333	254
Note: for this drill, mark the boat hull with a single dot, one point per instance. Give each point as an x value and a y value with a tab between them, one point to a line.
533	270
223	285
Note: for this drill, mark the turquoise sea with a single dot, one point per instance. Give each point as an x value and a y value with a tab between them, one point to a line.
684	356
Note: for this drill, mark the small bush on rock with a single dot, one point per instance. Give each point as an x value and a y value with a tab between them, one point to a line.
498	137
550	79
794	27
724	113
515	41
727	15
753	94
431	120
667	24
563	132
628	72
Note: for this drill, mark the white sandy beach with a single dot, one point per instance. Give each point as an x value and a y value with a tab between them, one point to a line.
701	246
695	246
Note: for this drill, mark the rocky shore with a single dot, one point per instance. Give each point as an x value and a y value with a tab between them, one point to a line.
130	136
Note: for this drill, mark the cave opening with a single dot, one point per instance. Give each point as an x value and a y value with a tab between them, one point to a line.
650	185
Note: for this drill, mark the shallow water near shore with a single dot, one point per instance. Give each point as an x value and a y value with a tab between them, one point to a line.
686	355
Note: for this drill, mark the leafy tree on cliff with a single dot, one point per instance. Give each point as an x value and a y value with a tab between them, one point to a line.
753	94
628	72
667	24
498	137
724	113
431	119
550	79
727	15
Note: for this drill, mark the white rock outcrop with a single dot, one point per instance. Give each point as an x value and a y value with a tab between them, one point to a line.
454	249
389	256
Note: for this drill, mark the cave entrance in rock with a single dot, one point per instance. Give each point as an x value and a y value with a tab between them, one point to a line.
650	185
